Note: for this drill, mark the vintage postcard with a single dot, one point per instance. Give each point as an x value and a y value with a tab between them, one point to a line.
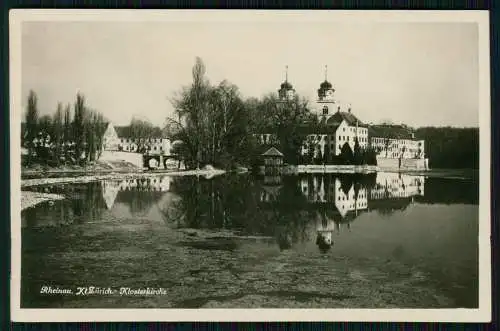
250	165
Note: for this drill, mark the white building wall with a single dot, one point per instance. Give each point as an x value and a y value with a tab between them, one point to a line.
110	139
396	148
347	134
157	145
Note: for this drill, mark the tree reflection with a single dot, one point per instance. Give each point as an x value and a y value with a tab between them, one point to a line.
285	207
83	203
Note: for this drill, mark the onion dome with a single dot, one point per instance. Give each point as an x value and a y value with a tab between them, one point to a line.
286	85
326	85
286	88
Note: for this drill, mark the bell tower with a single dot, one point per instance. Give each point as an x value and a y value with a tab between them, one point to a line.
286	91
326	100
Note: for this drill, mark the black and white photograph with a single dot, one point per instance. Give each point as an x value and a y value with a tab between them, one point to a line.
250	165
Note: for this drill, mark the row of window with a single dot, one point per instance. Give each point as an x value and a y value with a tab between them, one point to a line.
150	140
360	139
396	141
134	148
361	131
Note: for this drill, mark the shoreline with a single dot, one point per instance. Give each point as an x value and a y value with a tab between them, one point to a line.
30	199
472	174
88	176
116	175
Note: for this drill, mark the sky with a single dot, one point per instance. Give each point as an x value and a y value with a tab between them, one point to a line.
420	74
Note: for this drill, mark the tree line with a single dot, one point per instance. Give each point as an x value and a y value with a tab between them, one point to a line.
70	136
219	127
451	148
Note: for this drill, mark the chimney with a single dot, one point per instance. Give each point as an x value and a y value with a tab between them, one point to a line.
349	109
338	109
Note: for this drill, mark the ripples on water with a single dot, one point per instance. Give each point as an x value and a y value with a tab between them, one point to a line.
350	241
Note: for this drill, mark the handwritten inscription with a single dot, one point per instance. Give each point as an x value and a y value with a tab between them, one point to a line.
94	290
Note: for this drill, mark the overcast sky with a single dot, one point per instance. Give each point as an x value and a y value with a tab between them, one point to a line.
417	73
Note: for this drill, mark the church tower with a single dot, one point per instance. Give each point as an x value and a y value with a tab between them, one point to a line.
286	92
326	101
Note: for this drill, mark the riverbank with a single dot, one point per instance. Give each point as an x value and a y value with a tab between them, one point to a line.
30	199
96	168
472	174
117	175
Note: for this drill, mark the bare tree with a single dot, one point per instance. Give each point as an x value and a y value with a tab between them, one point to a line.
58	132
31	124
79	125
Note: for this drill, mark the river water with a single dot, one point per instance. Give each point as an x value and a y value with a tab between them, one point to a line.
238	241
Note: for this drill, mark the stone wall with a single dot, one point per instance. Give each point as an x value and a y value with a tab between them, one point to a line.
406	164
335	169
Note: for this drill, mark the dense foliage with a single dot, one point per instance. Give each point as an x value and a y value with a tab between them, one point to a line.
61	139
212	123
451	148
217	126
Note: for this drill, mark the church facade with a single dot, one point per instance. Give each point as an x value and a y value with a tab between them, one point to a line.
338	128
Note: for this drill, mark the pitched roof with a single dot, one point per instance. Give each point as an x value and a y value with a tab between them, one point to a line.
390	131
317	128
272	152
126	132
340	116
122	131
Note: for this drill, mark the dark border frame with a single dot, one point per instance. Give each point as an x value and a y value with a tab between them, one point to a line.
274	4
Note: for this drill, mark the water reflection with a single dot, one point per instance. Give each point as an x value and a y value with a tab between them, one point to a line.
290	209
383	230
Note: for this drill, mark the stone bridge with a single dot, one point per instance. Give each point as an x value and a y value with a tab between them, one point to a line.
156	161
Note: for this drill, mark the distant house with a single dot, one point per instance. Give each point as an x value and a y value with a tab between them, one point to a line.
121	138
395	141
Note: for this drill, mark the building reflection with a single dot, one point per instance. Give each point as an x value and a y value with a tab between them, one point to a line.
88	202
334	201
395	191
290	209
134	192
